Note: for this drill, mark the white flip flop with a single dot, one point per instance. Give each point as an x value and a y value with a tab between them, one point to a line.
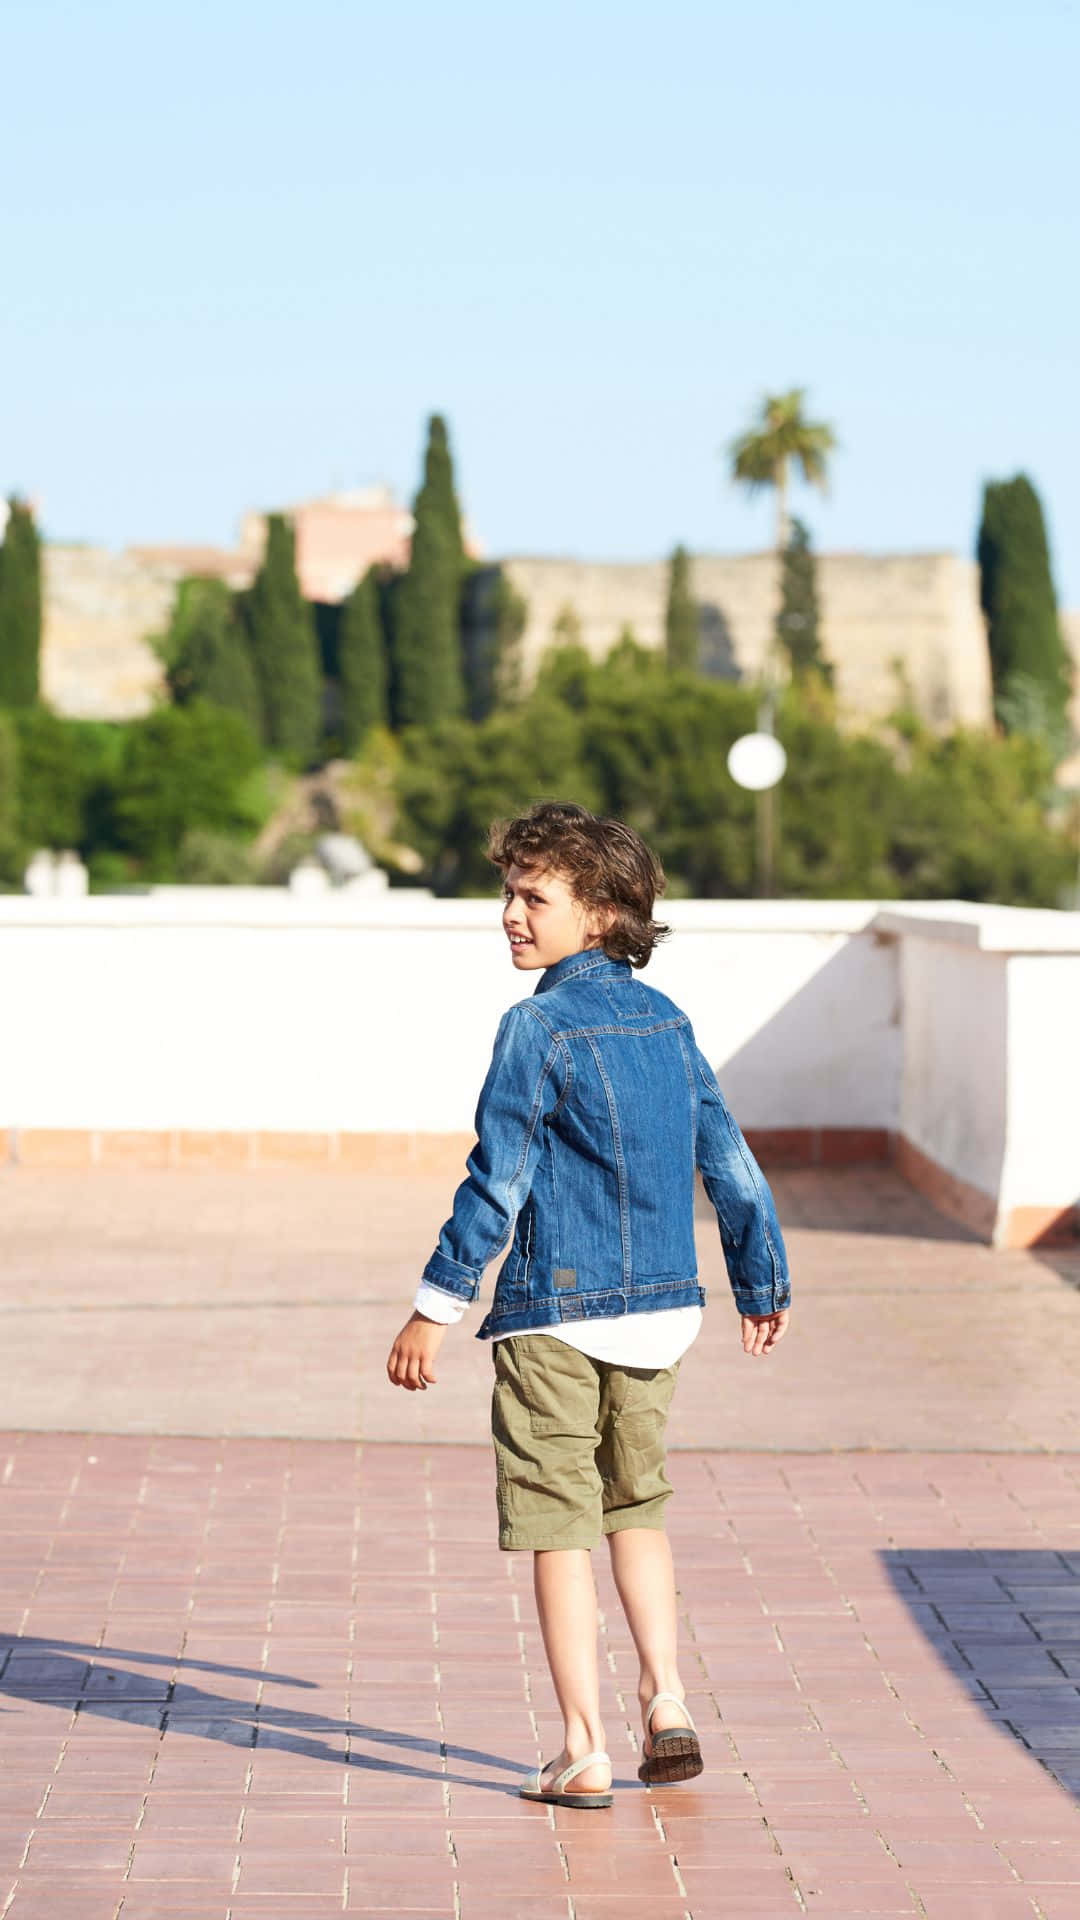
556	1795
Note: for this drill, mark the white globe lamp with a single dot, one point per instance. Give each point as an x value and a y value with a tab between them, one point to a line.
757	761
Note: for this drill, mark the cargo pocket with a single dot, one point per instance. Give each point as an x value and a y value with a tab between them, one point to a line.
560	1386
631	1457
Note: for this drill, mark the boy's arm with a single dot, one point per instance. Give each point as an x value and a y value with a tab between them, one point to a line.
746	1213
412	1357
525	1061
500	1170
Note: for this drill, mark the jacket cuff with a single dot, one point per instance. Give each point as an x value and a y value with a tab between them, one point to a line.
443	1272
755	1303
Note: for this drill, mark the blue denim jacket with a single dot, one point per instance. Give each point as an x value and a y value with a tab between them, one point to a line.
596	1109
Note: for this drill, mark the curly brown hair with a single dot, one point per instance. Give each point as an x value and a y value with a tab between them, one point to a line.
604	862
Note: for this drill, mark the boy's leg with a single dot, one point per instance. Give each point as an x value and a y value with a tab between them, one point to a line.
544	1415
566	1605
645	1580
634	1407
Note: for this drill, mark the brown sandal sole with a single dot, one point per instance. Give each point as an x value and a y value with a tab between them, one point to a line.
676	1755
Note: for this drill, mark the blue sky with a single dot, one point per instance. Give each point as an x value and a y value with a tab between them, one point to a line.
247	248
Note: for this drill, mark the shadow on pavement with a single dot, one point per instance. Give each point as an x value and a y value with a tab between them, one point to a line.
1006	1625
69	1674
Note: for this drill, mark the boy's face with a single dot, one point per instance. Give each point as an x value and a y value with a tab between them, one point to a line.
542	919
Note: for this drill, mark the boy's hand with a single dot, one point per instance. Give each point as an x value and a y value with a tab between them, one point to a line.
761	1331
412	1356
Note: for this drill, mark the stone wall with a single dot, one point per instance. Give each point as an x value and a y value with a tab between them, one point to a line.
921	608
101	608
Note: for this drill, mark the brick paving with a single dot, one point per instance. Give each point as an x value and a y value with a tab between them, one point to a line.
244	1676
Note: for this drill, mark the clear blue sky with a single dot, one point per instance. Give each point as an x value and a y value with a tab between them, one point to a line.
247	248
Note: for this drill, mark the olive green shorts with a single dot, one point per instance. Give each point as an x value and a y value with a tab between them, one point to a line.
579	1443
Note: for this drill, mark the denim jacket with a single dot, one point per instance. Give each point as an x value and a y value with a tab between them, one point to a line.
596	1109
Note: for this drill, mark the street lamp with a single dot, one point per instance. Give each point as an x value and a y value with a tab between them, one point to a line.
757	762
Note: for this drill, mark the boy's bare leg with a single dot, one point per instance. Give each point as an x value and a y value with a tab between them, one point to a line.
645	1578
566	1604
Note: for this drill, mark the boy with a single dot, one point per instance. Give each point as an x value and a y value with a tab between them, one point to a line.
596	1109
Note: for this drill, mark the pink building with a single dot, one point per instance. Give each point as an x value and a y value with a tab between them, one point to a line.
338	538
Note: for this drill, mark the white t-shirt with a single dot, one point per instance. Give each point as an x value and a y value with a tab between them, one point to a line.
654	1339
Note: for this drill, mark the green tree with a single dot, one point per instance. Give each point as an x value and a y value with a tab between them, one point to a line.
780	439
20	608
567	674
54	779
428	668
566	628
183	768
628	654
798	622
1029	663
494	617
973	821
207	651
10	846
362	663
281	634
682	624
437	497
902	813
455	778
511	620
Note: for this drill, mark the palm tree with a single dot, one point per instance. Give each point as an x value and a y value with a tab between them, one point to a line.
761	457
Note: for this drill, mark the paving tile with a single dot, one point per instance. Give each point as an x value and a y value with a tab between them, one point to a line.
831	1599
980	1903
61	1851
76	1900
1045	1862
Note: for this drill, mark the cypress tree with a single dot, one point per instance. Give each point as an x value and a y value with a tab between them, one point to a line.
284	649
511	620
20	608
1016	589
493	621
362	662
682	627
208	652
798	624
438	495
429	677
9	803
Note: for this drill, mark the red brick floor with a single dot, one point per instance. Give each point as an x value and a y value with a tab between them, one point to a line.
293	1676
251	1678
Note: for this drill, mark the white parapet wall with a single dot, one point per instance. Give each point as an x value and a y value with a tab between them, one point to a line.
247	1026
990	1013
237	1009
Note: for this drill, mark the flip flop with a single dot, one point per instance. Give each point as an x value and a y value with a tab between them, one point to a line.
556	1795
676	1751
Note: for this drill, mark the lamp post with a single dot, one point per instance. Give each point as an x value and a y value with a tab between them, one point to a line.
757	762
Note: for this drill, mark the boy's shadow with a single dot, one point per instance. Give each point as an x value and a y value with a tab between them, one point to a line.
69	1673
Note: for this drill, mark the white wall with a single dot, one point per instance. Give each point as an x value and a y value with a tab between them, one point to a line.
990	1011
797	1013
247	1010
953	1096
242	1010
1042	1150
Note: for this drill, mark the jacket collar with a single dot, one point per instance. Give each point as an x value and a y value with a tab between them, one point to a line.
592	963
